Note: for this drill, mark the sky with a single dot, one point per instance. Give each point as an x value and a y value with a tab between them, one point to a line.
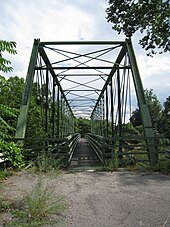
70	20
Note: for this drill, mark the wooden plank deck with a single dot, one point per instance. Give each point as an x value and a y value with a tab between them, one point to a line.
84	156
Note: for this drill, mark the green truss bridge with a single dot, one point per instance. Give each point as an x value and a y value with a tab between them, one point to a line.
97	80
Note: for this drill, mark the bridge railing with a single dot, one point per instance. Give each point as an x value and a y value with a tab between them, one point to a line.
128	149
96	142
72	141
59	148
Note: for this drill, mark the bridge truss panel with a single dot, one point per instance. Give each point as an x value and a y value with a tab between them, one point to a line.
94	79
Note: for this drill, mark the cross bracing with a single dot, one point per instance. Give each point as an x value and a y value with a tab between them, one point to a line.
98	80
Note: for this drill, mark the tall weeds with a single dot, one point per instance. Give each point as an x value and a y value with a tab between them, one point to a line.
39	207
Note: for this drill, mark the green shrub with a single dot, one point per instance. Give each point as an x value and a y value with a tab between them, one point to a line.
12	153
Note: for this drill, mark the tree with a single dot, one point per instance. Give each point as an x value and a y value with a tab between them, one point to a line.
82	126
151	18
165	121
135	118
14	88
10	150
154	109
10	99
6	129
9	47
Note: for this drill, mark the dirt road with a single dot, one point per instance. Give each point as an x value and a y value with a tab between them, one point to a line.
105	199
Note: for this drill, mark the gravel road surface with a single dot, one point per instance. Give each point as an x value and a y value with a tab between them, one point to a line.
105	199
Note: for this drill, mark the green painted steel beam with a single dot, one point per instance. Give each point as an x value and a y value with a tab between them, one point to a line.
22	119
145	115
82	67
81	74
83	43
90	90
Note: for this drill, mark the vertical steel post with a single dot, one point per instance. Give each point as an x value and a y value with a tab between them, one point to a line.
107	113
91	124
100	116
119	105
61	116
64	118
112	107
67	122
46	103
53	109
145	115
58	110
94	122
119	114
73	123
103	117
22	119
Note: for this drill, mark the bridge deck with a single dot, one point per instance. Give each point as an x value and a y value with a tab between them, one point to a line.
84	156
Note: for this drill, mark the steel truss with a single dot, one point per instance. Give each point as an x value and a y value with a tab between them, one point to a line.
85	83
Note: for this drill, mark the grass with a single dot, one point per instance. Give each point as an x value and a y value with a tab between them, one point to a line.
131	165
45	164
161	166
110	165
39	207
3	204
4	174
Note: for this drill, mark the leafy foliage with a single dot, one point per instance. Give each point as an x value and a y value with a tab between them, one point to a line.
5	128
12	153
135	118
10	48
165	120
82	126
11	91
10	150
5	110
10	96
128	129
151	18
154	109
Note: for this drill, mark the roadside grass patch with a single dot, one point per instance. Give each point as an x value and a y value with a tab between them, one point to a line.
39	207
4	174
45	164
111	165
160	166
5	206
